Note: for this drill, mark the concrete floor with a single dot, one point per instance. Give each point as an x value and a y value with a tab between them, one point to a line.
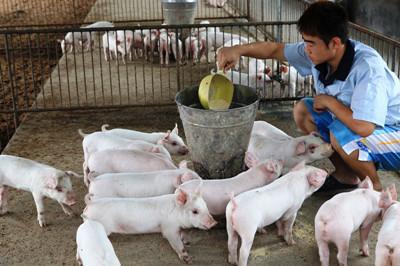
52	138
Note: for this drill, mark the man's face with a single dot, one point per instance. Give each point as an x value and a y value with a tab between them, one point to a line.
317	50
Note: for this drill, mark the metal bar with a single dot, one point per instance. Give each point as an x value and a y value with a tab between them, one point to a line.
11	78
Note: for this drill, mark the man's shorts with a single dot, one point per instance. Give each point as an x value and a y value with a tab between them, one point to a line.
382	146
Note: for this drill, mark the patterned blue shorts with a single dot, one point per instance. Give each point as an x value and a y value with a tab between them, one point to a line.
382	146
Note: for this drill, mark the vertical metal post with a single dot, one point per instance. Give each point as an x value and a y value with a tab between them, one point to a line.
11	78
178	62
248	10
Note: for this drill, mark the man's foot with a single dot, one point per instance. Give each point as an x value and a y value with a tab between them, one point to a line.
331	183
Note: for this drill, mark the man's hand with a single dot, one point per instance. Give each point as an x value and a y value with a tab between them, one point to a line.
227	57
323	102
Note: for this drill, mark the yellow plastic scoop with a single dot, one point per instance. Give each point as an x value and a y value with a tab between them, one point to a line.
216	91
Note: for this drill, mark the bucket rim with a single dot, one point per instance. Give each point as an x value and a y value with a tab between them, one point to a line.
256	102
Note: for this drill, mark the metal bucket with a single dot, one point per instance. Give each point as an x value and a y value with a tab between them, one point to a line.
218	140
179	11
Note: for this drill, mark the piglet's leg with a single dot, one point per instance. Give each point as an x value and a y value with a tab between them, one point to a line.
323	250
38	198
185	238
343	250
3	200
288	229
174	238
67	209
247	242
364	232
233	240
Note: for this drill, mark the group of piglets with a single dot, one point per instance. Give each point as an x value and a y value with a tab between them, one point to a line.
126	176
128	171
336	219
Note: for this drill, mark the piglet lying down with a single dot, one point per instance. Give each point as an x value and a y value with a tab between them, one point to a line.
167	214
40	179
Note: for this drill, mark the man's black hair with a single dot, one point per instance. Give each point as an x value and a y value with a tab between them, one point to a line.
325	20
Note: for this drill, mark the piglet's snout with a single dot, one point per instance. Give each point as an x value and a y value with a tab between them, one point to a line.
70	198
183	150
209	222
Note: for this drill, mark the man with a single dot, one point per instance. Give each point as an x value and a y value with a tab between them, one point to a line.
357	107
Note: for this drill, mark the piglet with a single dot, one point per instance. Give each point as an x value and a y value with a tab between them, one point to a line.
253	80
342	215
123	160
98	141
387	251
167	214
40	179
265	129
138	185
277	202
216	192
93	246
172	142
291	150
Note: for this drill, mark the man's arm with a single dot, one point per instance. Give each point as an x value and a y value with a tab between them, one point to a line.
344	114
228	56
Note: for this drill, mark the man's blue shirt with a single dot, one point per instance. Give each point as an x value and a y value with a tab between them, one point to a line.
362	81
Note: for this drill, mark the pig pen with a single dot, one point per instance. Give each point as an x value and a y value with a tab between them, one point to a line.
52	138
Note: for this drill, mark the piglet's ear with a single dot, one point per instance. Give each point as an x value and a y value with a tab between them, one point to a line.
181	197
167	135
186	177
316	178
51	182
284	69
250	159
300	148
366	183
175	130
197	190
392	190
384	200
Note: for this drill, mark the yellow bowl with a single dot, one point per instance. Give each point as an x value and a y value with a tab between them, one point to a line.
216	91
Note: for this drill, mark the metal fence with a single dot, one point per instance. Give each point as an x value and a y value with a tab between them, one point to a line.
20	13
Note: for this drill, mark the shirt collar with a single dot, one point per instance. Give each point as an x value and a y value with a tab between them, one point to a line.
343	69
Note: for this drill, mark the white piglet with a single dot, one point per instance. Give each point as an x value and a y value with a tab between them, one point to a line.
138	185
217	192
98	141
93	246
342	215
164	42
40	179
277	202
267	130
172	142
109	46
291	150
123	161
167	214
387	251
254	80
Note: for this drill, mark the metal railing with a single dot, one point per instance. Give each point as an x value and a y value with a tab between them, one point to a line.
35	13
